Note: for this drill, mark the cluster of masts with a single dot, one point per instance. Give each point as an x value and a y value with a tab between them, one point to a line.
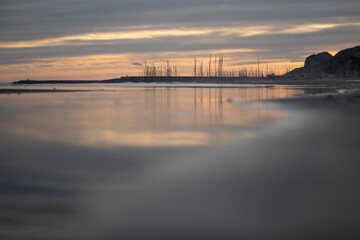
154	71
200	71
213	68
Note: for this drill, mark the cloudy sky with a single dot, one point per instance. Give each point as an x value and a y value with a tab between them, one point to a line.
92	39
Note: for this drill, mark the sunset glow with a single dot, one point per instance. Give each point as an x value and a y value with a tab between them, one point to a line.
104	127
82	48
246	31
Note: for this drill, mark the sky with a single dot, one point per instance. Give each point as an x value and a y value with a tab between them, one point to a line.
92	39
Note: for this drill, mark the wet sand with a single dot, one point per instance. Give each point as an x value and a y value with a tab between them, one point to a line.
296	179
299	180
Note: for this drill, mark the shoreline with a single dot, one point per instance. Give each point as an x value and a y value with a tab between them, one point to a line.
328	85
334	93
21	90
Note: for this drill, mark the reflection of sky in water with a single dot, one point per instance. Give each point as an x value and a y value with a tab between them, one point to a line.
161	163
140	116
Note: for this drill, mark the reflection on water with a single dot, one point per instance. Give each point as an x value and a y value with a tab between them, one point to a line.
170	163
140	116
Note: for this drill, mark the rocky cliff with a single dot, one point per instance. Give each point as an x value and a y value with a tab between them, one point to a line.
345	63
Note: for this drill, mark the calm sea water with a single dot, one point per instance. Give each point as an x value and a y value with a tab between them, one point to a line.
160	161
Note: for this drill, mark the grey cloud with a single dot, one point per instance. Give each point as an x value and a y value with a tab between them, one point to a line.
41	19
294	47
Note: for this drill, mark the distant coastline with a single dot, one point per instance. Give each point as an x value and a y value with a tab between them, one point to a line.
178	79
345	65
141	79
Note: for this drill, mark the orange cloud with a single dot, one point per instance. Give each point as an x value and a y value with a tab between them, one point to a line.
147	33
